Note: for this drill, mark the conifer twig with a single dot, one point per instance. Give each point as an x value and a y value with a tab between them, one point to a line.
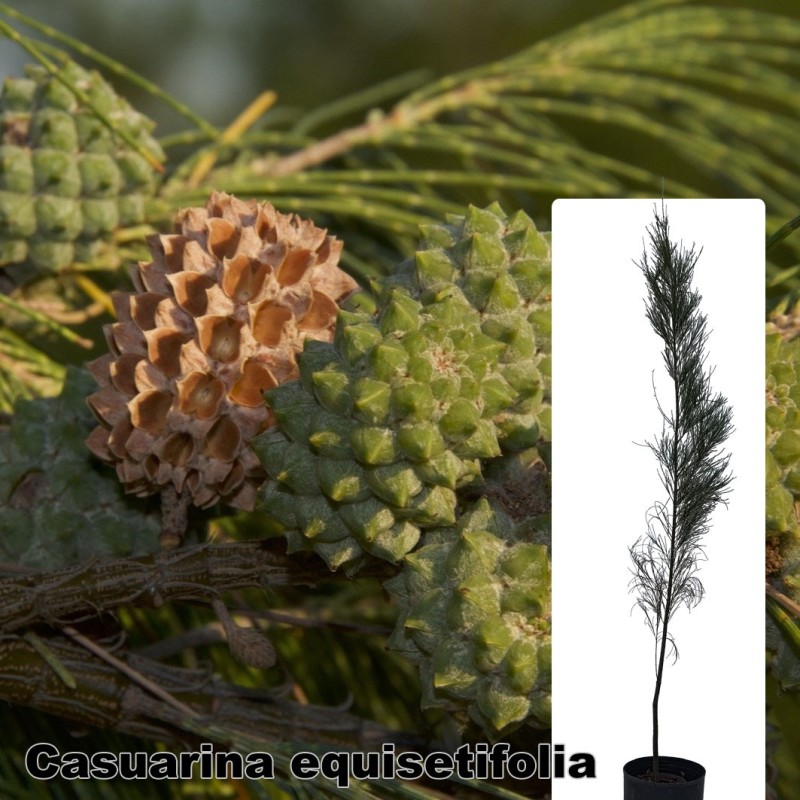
692	468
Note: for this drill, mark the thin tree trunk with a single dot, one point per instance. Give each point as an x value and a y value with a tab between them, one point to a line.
670	575
660	671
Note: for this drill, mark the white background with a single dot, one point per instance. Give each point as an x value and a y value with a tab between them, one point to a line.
605	356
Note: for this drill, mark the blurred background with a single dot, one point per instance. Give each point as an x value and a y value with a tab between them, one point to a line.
217	56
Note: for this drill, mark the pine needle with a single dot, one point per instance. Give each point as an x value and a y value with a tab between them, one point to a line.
242	123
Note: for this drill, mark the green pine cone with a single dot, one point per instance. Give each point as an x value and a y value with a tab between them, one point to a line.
388	421
783	434
501	265
67	182
384	425
57	507
783	493
475	616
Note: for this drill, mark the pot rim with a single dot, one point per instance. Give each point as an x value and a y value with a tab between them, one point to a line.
667	764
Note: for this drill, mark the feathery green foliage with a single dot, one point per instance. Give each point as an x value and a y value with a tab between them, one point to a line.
704	95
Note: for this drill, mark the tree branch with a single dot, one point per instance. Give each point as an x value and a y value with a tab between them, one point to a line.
72	595
116	692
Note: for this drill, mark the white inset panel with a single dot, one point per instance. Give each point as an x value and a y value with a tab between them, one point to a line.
606	358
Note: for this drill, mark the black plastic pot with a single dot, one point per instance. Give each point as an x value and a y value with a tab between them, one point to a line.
638	785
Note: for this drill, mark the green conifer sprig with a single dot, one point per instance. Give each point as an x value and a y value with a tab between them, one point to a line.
691	464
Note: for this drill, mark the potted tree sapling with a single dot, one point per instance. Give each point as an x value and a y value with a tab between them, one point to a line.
694	474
